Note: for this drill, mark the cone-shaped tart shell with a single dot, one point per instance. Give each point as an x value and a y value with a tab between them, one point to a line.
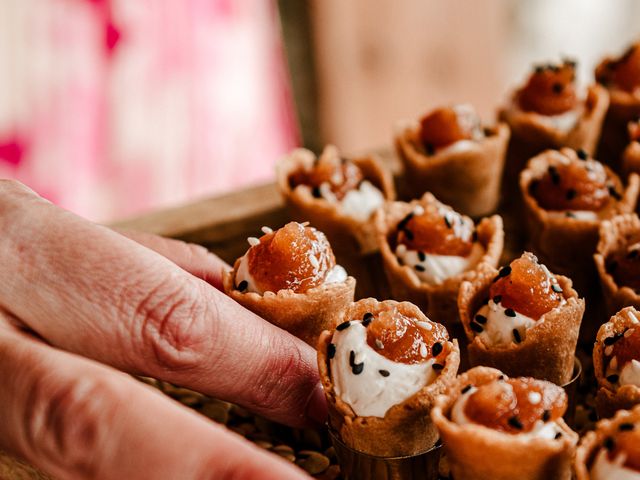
468	180
615	235
609	399
592	441
547	351
345	233
406	429
476	452
305	315
437	301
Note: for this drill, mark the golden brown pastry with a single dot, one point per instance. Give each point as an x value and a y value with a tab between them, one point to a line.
522	319
290	278
631	154
452	156
382	369
499	428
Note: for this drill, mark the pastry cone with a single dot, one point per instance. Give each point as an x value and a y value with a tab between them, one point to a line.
615	235
547	352
346	234
567	244
631	159
601	437
476	452
610	399
439	300
467	179
406	428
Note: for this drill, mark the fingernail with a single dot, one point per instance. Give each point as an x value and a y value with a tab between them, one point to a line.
316	409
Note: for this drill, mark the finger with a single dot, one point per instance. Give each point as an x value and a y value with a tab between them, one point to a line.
110	299
76	419
195	259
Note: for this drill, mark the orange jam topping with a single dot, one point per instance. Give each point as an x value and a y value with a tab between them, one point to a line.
625	347
339	175
439	231
574	185
625	267
404	339
527	287
295	257
550	90
634	130
445	126
623	72
625	441
515	405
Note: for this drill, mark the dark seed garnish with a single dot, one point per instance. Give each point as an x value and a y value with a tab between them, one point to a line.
613	378
557	87
571	194
546	415
409	234
357	368
539	68
626	427
404	221
510	312
436	349
343	326
555	176
476	327
331	351
242	286
558	435
429	149
570	215
384	373
515	423
504	271
437	366
466	389
447	222
609	443
421	256
516	335
315	191
556	288
497	299
501	377
367	319
419	267
352	358
614	193
582	154
481	319
611	340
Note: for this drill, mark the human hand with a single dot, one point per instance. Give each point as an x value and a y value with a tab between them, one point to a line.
75	297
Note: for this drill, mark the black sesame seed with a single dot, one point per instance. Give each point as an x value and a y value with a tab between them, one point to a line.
421	256
419	267
611	340
510	312
367	319
504	271
476	327
481	319
384	373
357	368
501	377
437	366
626	427
556	288
539	68
515	423
613	378
352	358
516	335
315	191
409	234
546	416
570	215
555	176
466	389
571	194
436	349
242	286
331	351
447	222
558	435
430	149
609	443
582	154
614	193
557	87
404	221
497	299
343	326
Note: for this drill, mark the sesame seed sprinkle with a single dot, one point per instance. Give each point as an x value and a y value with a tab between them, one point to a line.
437	366
331	351
481	319
510	312
379	344
253	241
476	327
558	435
242	286
466	389
613	378
516	336
343	326
626	427
515	422
436	349
266	230
384	373
546	415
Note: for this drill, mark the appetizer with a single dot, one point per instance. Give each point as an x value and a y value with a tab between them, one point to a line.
451	155
495	427
612	451
428	249
631	154
621	77
616	363
512	317
617	260
290	278
567	194
381	370
337	195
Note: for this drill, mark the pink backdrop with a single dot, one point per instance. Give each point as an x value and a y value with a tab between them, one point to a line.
113	107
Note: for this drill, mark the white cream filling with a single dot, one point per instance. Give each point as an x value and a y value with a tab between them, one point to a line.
434	269
499	327
588	215
371	393
563	122
540	429
604	469
336	275
362	202
630	373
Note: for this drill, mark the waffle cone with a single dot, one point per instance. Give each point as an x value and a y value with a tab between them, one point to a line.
406	429
304	315
437	301
609	399
591	442
476	452
345	233
544	353
468	180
